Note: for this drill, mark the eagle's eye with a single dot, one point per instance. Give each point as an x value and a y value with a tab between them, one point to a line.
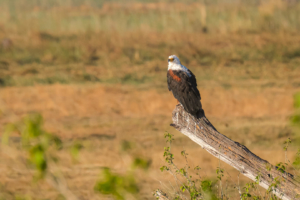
170	59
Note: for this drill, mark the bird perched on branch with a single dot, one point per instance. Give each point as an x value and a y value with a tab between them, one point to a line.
182	82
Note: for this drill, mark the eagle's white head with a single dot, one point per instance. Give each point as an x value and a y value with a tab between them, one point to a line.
175	64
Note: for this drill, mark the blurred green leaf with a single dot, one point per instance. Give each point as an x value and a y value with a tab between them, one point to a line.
8	130
75	148
163	168
183	172
141	163
38	158
296	163
296	119
116	185
182	188
33	125
126	145
206	186
286	144
57	141
297	100
280	167
35	141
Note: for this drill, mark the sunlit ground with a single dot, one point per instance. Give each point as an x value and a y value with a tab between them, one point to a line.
97	75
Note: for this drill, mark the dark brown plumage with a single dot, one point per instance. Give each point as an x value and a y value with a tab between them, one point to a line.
184	88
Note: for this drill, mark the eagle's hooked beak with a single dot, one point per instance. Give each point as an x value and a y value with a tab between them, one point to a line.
170	59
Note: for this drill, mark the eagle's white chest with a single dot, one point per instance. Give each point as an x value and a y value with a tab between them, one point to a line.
175	66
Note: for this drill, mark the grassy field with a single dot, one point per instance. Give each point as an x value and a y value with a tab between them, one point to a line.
96	72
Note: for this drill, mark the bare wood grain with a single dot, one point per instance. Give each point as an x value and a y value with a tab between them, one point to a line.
201	131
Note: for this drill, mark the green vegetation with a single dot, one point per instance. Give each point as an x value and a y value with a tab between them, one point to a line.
36	142
116	185
41	149
128	43
95	16
190	188
38	151
123	186
296	117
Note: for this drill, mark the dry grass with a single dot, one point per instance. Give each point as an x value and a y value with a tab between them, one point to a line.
103	116
97	74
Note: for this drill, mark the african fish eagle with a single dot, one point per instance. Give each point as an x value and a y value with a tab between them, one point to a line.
182	82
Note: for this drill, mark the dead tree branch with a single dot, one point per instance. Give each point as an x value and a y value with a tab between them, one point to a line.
202	132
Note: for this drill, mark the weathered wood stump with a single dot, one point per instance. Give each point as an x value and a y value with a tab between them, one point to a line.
201	131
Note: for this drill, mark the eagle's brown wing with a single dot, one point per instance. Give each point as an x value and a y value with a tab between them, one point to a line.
184	89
